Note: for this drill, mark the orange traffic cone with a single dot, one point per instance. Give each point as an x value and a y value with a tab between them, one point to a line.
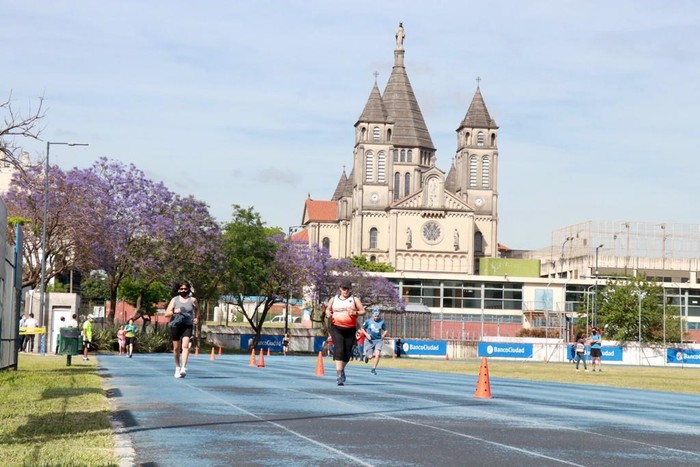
212	357
261	362
268	351
483	386
219	350
447	356
196	351
252	358
319	365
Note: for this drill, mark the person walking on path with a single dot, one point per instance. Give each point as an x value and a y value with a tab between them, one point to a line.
343	310
183	310
285	344
121	340
130	334
596	350
375	331
581	352
87	336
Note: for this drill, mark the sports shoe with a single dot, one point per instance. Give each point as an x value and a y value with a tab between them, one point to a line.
339	381
366	359
177	373
183	372
577	369
129	355
374	372
586	370
342	375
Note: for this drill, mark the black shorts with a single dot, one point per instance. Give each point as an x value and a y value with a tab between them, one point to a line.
129	340
180	331
343	340
596	353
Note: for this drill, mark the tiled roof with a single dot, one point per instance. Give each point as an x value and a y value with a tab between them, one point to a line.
375	111
477	114
321	211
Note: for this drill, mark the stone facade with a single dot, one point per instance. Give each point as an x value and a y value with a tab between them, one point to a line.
397	206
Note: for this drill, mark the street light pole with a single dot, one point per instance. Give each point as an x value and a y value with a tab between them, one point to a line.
561	268
595	297
43	311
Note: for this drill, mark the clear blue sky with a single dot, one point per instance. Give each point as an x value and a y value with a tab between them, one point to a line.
254	102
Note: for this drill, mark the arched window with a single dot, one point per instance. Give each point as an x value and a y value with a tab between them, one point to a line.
388	135
410	156
376	133
485	171
381	166
326	243
480	139
468	138
396	155
363	134
478	243
372	259
397	185
373	234
403	155
369	166
407	184
473	162
493	139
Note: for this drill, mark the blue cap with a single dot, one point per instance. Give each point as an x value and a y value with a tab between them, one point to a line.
375	311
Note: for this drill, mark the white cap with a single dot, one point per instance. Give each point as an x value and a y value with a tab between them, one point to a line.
90	317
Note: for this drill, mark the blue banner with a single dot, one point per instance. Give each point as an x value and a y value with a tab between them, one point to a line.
686	356
319	342
610	354
505	349
274	343
416	347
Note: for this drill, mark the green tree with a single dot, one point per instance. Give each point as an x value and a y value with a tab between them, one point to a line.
618	306
361	262
144	295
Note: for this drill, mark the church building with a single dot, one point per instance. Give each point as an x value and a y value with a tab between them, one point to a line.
396	206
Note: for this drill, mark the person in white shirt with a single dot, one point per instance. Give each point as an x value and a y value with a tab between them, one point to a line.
31	322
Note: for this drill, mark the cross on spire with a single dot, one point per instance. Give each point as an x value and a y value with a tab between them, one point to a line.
478	81
376	73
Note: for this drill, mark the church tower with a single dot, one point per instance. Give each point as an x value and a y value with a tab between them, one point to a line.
476	172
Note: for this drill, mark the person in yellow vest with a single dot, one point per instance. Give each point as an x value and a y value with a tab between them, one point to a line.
87	336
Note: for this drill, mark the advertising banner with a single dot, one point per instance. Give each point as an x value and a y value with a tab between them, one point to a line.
274	343
416	347
686	356
505	349
610	354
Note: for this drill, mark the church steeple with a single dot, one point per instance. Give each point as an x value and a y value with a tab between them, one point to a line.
375	110
478	115
409	128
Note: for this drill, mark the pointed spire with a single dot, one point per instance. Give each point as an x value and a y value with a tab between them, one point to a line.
451	184
375	110
401	103
340	188
478	115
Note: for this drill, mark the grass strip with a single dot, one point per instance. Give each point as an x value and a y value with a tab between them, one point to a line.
668	379
53	414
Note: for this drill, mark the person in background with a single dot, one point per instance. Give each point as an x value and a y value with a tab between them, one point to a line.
121	340
596	350
130	334
285	344
87	336
343	310
73	321
375	331
30	324
581	352
360	338
186	305
21	337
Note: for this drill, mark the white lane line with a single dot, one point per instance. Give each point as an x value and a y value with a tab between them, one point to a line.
282	427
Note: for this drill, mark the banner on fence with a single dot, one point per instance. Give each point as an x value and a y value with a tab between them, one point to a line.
505	349
417	347
274	343
686	356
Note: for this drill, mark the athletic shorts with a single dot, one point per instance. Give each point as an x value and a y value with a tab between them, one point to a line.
130	340
343	340
373	344
180	331
596	352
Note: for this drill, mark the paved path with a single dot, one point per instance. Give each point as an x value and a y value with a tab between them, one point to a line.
228	413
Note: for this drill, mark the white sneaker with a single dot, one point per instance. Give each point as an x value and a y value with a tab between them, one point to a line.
183	372
177	372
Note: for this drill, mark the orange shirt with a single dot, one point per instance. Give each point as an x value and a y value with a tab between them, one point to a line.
340	307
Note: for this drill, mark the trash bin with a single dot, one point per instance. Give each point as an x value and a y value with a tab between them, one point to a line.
69	342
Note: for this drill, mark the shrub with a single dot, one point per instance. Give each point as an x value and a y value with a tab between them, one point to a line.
154	340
